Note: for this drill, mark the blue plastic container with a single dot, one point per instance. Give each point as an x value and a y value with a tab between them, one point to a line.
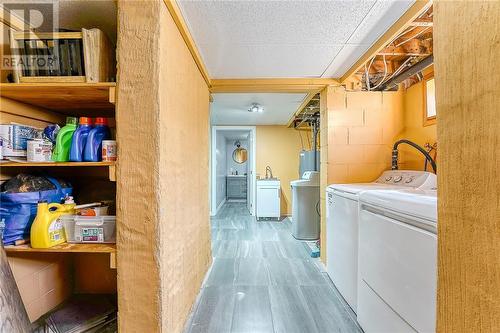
92	151
80	139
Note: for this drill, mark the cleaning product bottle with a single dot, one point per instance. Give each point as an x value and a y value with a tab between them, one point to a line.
63	141
92	151
46	230
79	139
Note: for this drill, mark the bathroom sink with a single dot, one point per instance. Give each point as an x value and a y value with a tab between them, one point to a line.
268	182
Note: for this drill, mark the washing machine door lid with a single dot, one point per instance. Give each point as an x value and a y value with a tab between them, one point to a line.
408	202
357	188
303	182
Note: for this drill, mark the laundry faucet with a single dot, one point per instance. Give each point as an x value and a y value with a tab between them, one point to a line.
268	168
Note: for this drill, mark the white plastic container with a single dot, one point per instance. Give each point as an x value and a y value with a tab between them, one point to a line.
39	151
89	229
109	150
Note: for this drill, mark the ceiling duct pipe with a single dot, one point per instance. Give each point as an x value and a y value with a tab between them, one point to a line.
417	68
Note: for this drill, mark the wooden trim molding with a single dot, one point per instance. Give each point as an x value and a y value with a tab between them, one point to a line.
427	121
281	85
13	21
402	23
176	14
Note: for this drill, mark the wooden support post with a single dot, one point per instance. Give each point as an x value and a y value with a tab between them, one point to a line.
467	76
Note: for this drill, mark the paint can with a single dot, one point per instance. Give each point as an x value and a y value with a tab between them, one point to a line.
39	150
109	150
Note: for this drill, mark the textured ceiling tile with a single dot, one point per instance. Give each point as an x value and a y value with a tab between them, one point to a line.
265	61
345	59
232	109
330	22
250	39
382	16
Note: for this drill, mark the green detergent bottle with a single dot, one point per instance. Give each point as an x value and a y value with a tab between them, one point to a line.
63	140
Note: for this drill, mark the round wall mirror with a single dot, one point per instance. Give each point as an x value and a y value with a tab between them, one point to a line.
240	155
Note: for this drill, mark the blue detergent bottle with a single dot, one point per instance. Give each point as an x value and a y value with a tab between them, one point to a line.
92	151
80	139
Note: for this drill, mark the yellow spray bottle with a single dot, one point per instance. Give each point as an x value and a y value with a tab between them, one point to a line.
46	231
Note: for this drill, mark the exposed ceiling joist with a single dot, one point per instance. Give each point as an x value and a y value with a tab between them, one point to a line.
419	7
422	22
306	101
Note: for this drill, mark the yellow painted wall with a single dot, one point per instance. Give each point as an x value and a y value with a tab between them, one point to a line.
414	130
162	188
279	147
183	188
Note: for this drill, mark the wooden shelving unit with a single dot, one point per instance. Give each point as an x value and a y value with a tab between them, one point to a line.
66	248
110	165
57	164
67	98
47	103
70	248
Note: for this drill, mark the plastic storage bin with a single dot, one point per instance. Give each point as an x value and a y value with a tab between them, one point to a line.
89	229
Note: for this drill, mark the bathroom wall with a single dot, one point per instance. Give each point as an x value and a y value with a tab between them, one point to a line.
414	129
231	164
279	147
221	167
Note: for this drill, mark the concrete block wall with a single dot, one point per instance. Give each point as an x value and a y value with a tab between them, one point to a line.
362	126
358	130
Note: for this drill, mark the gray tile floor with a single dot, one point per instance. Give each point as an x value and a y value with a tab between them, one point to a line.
263	280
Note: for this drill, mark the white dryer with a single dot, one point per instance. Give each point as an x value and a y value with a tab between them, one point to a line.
397	261
342	224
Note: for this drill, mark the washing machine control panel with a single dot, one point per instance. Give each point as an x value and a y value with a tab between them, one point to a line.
410	178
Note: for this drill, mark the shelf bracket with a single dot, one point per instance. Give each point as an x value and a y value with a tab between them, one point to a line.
112	260
112	95
112	173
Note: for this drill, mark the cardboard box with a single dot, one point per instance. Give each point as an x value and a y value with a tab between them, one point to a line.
15	137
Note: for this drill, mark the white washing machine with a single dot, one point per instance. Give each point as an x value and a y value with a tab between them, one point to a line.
397	261
342	224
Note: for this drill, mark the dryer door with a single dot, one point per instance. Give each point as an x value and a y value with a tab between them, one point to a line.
397	263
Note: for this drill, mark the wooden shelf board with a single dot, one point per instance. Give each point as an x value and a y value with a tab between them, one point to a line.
57	164
66	248
67	98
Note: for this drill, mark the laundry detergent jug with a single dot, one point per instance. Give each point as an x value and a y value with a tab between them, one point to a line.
46	230
80	139
63	141
92	151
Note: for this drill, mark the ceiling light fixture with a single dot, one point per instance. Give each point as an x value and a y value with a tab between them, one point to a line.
256	108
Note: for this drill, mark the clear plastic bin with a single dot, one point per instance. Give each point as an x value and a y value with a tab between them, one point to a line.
89	229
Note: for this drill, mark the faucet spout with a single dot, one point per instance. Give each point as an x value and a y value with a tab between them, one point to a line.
268	170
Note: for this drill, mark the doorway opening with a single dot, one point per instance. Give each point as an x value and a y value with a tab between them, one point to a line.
232	167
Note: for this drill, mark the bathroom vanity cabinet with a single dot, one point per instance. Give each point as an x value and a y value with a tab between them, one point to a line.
236	187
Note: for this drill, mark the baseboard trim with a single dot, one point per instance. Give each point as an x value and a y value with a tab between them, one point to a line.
220	206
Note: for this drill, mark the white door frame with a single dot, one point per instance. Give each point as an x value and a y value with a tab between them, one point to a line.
252	165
